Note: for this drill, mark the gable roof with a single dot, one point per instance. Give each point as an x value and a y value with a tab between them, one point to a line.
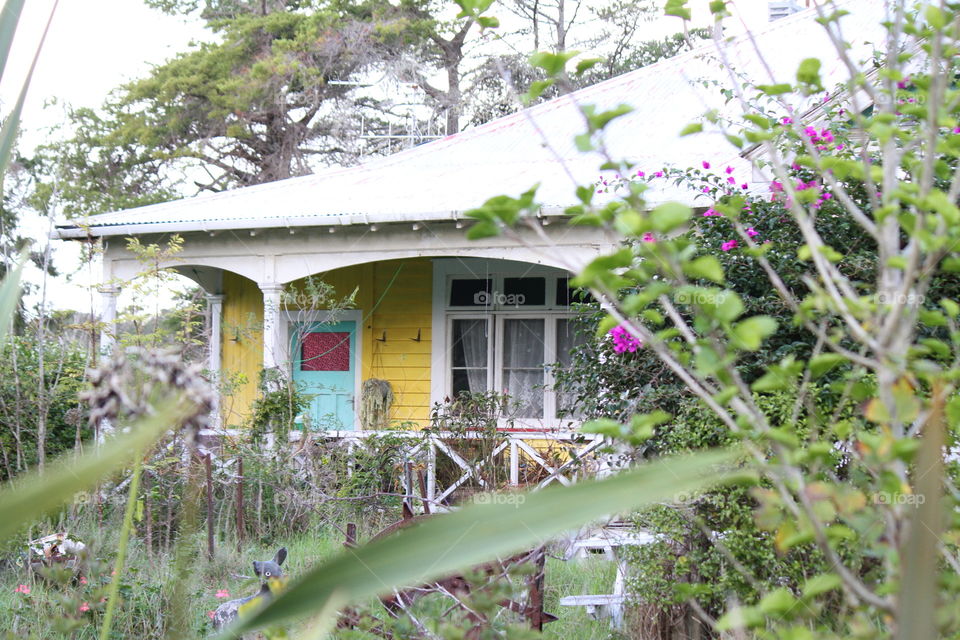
442	179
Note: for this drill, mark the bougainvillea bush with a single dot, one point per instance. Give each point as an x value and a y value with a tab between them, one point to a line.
815	323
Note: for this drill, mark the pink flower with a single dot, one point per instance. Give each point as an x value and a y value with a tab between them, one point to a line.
640	174
22	588
83	580
211	614
710	212
956	129
706	165
222	593
776	186
729	170
786	120
731	180
753	233
623	341
648	237
84	607
730	244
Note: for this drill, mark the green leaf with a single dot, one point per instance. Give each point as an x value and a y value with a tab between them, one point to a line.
585	65
821	584
728	306
820	364
479	533
552	63
778	602
488	22
677	8
808	73
750	333
693	127
775	89
670	215
28	499
705	267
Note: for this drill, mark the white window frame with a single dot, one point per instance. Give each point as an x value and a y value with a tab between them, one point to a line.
444	272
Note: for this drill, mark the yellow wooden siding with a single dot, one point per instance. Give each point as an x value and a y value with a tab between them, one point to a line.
394	298
242	351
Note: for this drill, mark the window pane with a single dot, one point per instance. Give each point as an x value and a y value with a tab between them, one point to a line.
475	292
523	292
567	295
469	352
568	339
523	365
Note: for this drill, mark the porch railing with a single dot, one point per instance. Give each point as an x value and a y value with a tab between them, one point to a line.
572	455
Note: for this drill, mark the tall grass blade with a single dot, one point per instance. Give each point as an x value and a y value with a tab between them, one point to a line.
9	297
918	600
8	27
480	533
11	126
23	501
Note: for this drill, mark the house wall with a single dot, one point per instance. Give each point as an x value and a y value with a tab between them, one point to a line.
394	298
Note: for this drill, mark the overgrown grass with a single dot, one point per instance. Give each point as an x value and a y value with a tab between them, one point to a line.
67	608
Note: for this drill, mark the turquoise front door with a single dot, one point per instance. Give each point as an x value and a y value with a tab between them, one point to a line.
324	368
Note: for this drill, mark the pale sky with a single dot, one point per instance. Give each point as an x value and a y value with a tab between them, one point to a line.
95	45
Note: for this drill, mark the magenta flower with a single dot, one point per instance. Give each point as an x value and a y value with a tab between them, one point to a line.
648	237
640	174
728	245
786	120
710	212
956	129
753	233
658	174
731	180
744	186
706	165
902	84
623	341
729	170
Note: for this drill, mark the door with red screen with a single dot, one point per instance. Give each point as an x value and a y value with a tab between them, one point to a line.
324	368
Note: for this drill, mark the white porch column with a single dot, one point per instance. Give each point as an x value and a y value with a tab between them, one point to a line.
108	319
214	346
272	329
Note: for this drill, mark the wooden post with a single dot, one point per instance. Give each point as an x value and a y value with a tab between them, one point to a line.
207	462
423	492
240	525
514	463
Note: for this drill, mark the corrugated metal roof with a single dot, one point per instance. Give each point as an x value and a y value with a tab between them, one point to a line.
509	155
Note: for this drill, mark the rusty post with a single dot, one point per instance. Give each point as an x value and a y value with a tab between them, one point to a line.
535	582
240	525
423	491
207	462
351	540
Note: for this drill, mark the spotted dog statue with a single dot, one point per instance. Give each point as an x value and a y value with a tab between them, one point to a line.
226	614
